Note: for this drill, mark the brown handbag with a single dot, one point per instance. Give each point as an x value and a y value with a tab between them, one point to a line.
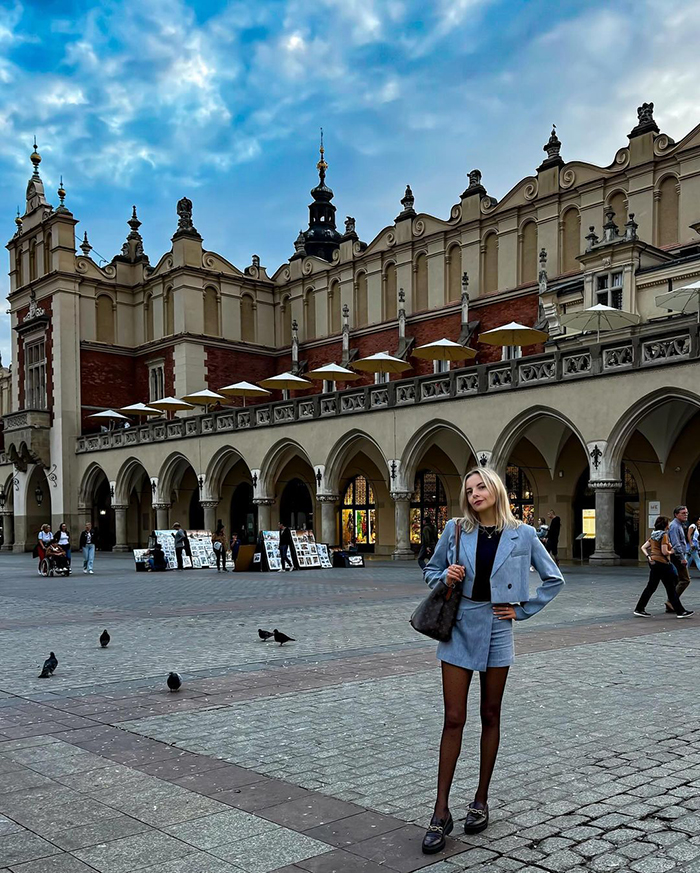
436	615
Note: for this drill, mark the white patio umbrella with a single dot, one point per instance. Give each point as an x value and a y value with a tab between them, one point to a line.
243	389
333	373
171	404
204	398
599	317
513	334
285	382
109	416
141	409
444	350
382	362
685	299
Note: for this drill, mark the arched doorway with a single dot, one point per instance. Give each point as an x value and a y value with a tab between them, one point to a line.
296	506
102	515
627	516
520	494
244	514
196	514
358	514
429	503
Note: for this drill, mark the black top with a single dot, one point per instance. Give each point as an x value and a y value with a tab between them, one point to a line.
553	532
485	556
286	537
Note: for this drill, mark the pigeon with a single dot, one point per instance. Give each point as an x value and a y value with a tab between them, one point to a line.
174	681
263	634
50	665
104	639
282	638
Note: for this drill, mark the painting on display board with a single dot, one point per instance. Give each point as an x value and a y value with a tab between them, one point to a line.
324	556
304	549
271	543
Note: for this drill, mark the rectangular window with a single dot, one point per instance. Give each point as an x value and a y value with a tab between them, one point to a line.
609	289
35	375
156	381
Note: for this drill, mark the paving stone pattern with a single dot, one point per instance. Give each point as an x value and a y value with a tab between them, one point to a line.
321	755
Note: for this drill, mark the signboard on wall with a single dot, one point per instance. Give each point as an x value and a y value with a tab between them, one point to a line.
588	526
653	511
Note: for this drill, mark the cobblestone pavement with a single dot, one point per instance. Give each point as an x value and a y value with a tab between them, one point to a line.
321	755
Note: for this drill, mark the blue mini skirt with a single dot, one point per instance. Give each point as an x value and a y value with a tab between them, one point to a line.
479	639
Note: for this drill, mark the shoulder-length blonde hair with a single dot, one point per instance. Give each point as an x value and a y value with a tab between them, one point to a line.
494	484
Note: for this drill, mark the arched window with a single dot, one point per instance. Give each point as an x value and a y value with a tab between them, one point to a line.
420	278
358	514
667	212
104	319
489	273
361	311
32	260
618	204
148	317
390	293
571	241
429	503
168	312
520	494
248	327
454	274
334	308
310	314
48	265
211	312
286	315
528	253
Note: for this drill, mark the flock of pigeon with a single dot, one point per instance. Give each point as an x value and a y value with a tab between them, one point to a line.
174	680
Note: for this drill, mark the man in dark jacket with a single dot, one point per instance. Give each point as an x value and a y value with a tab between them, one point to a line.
285	544
552	540
428	540
180	538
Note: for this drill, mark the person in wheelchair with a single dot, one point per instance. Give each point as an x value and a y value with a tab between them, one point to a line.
57	558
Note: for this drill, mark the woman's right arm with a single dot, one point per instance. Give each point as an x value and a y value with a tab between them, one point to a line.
436	569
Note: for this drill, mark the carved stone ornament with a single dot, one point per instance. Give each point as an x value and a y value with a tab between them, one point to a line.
645	120
349	225
34	311
596	454
184	217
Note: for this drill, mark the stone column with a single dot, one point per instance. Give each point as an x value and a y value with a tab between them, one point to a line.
210	508
329	525
20	543
162	513
402	505
264	505
605	521
8	529
121	544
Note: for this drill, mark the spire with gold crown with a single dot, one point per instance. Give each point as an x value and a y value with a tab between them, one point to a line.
322	237
36	197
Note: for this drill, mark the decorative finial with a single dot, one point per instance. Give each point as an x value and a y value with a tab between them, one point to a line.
322	166
184	218
408	200
255	261
134	222
18	221
610	229
631	227
299	242
346	310
645	120
295	326
85	246
402	296
553	145
35	158
61	196
592	238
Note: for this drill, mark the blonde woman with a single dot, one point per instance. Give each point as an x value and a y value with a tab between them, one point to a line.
496	552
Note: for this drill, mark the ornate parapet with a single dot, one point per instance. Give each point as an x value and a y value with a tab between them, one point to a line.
27	435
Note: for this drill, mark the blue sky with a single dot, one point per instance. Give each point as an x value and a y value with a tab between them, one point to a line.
144	102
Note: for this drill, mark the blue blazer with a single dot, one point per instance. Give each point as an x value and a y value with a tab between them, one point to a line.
518	550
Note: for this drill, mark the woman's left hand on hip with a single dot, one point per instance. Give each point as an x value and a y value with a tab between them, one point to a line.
502	611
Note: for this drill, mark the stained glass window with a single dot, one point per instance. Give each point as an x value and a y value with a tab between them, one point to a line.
359	514
520	494
428	503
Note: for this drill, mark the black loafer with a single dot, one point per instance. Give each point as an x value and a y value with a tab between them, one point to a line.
477	820
434	839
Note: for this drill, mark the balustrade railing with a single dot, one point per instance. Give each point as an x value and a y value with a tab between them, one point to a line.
654	347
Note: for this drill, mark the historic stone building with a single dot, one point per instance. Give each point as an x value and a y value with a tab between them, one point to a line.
580	422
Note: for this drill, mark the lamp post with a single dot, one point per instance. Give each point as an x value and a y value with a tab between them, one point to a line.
39	495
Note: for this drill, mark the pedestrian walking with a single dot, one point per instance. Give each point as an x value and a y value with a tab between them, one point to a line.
679	544
285	545
659	551
552	539
179	536
497	551
44	538
235	548
428	541
87	542
218	542
694	544
64	541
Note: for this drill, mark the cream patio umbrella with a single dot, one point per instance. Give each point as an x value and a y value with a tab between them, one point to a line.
285	382
685	299
444	350
599	317
141	409
205	398
243	389
513	334
171	404
382	363
333	373
109	416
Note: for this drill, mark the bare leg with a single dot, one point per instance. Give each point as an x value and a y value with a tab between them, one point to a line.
455	687
493	683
